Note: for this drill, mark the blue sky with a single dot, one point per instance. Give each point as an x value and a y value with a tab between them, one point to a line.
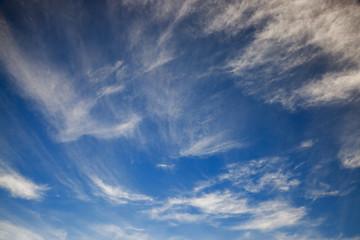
160	119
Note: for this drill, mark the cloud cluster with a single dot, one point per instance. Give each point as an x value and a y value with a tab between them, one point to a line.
210	201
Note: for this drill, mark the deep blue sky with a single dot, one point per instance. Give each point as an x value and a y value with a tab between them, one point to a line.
160	119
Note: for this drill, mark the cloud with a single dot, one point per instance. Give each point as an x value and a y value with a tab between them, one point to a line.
266	215
272	216
259	175
349	152
207	203
19	186
350	157
9	230
166	166
105	91
216	204
67	108
307	144
104	72
210	145
116	232
289	35
115	193
164	57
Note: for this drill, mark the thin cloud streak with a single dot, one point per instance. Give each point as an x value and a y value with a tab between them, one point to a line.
115	193
118	233
209	146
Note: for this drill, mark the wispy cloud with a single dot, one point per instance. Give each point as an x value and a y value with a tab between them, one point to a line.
116	232
261	174
208	203
349	152
350	157
210	145
273	215
166	166
66	108
104	72
116	194
267	215
291	34
307	143
333	87
9	230
215	204
20	186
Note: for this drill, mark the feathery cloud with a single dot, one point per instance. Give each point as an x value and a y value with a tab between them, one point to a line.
289	35
9	230
65	107
18	185
117	233
115	193
267	215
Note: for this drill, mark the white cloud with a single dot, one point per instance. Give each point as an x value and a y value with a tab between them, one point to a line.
163	58
165	166
66	108
349	153
307	144
118	233
19	186
116	194
103	73
9	230
108	90
350	156
315	194
206	205
288	35
267	215
333	87
259	175
210	145
216	204
276	216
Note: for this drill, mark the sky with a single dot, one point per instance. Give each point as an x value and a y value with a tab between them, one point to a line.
179	120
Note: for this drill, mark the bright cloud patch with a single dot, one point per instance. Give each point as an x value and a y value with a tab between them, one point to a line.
19	186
